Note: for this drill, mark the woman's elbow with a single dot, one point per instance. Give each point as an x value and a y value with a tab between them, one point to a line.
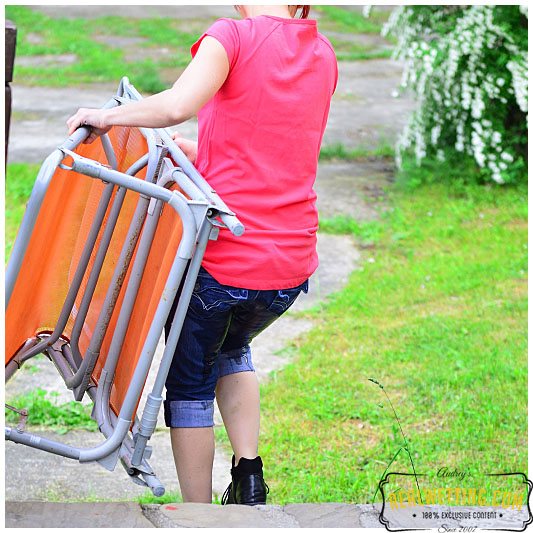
178	114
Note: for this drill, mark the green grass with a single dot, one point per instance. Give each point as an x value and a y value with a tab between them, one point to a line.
345	21
20	178
97	61
440	318
44	412
342	20
339	151
168	497
352	52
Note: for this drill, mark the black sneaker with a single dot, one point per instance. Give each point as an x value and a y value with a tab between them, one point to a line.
247	485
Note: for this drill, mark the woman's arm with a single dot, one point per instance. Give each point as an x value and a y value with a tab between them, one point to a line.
195	87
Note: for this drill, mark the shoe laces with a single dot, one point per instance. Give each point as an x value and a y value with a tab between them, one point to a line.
226	494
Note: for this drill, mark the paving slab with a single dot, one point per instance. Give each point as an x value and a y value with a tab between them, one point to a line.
75	515
324	514
206	515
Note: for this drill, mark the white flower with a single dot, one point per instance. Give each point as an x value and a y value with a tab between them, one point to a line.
496	137
462	93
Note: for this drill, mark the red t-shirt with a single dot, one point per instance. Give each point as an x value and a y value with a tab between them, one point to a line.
258	145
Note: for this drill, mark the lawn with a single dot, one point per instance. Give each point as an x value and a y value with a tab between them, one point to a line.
437	313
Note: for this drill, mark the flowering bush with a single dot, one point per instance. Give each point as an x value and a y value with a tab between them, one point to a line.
467	66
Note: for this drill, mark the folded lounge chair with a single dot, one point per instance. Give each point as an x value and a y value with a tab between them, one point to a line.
110	230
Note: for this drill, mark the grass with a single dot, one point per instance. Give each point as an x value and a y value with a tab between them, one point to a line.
20	178
342	20
97	61
168	497
44	412
440	318
340	151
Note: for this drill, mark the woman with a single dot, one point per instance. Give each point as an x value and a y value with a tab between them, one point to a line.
261	87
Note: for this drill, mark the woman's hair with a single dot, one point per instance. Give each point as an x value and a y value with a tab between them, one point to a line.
305	11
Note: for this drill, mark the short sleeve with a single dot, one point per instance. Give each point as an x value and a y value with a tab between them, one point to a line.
225	32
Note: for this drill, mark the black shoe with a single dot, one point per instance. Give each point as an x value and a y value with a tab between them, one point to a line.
247	485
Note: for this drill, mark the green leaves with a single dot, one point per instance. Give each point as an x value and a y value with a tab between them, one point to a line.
44	411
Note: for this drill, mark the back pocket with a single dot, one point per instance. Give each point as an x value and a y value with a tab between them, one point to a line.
286	297
209	296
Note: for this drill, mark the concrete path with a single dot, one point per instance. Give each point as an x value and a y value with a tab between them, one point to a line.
190	515
299	515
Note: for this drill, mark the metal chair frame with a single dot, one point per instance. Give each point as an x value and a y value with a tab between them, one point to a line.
202	213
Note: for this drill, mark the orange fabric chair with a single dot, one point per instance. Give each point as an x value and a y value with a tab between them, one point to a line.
54	251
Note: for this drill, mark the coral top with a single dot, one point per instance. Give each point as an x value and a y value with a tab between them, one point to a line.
258	145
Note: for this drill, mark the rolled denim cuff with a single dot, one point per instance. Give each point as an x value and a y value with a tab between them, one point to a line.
233	361
189	413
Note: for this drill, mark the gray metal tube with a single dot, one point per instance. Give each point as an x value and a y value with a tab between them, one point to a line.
127	304
165	303
187	186
16	363
67	354
109	151
41	443
154	484
109	445
87	364
91	168
96	269
151	409
60	362
11	368
227	216
78	275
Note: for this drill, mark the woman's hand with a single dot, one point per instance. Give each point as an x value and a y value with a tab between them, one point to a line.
96	118
188	147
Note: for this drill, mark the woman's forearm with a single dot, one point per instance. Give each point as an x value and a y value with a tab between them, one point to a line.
199	82
158	111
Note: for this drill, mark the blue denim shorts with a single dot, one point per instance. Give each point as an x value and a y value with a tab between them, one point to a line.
215	341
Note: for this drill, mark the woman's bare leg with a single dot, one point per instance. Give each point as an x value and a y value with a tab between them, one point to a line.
238	400
194	451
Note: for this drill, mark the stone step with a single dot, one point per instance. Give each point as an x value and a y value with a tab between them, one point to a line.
294	515
187	515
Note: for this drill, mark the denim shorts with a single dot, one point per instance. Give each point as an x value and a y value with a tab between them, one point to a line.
215	341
